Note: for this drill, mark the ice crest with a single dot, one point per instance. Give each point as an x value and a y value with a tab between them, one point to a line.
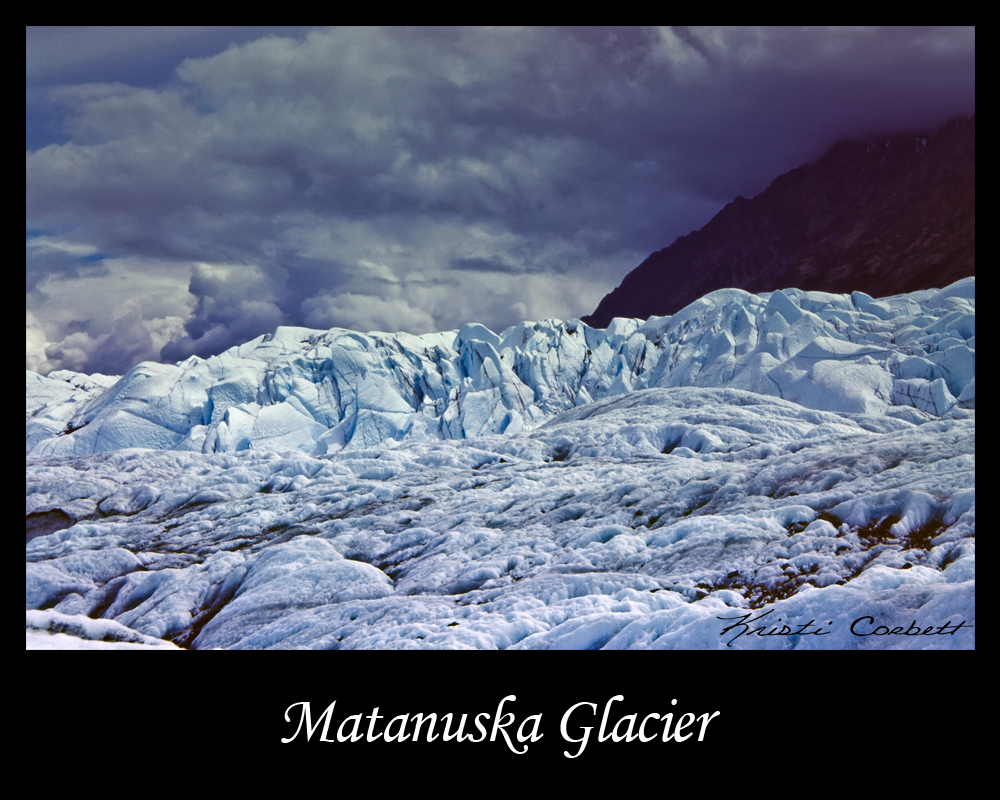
317	392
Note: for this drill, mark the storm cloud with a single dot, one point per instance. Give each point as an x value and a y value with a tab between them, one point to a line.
184	194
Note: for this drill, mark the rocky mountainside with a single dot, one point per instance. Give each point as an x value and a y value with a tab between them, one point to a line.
885	217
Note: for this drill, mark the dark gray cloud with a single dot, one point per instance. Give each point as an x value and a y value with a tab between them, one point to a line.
417	179
483	265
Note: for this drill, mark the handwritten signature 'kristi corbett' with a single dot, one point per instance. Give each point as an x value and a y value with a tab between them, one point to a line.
862	626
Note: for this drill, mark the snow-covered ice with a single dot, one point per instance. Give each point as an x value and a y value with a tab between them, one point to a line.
801	455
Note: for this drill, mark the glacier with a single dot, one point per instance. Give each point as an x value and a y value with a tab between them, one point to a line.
793	457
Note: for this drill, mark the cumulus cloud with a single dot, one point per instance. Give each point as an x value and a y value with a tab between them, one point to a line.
106	315
398	178
365	312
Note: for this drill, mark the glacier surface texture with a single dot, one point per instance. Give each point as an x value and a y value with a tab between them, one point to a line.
798	455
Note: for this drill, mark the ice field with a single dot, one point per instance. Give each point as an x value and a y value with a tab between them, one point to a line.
788	461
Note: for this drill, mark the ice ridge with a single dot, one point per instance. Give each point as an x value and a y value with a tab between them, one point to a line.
319	392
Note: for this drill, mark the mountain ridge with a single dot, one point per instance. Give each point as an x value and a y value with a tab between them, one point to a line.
885	217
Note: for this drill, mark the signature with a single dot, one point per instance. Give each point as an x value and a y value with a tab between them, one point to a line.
862	626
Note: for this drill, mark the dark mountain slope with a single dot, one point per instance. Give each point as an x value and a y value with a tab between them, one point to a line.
884	217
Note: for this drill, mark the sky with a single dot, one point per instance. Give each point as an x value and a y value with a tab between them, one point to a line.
191	188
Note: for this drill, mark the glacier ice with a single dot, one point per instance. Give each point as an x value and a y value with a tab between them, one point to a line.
553	486
317	392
